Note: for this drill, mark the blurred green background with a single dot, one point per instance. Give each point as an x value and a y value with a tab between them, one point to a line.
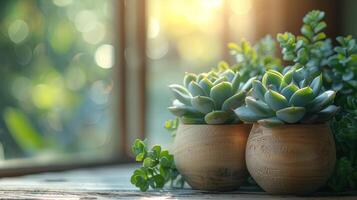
55	64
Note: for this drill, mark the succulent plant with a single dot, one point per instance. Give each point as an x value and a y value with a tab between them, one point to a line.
289	98
209	98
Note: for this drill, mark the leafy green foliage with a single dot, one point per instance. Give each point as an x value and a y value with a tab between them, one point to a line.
158	167
210	97
255	60
289	98
311	49
314	51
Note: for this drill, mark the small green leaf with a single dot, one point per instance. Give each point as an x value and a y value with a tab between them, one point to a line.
159	181
327	113
220	80
302	97
259	107
221	92
229	74
291	114
288	77
196	89
259	90
316	85
206	85
202	104
148	162
247	115
321	101
181	94
189	77
320	26
275	100
234	101
246	86
218	117
272	77
184	110
235	82
289	90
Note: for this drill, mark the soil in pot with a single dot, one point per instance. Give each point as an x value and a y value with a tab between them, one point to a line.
291	159
212	157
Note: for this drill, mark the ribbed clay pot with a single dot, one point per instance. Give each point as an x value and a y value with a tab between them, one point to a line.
212	157
291	159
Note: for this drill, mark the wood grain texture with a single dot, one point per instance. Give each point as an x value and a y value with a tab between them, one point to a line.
291	159
114	183
212	157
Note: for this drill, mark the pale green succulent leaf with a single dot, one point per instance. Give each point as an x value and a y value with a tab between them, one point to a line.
181	94
221	92
327	113
195	89
206	85
275	100
247	115
289	90
291	114
301	97
321	101
288	76
188	78
259	89
270	122
248	85
298	75
220	80
234	101
229	74
202	104
316	85
219	117
184	110
259	107
272	77
192	120
235	82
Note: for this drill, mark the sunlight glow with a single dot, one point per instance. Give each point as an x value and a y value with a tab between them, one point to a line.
104	56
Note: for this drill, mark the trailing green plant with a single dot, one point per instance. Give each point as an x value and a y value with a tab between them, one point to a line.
289	98
255	60
158	167
209	97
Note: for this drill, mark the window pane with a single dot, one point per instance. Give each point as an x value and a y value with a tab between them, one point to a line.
56	83
183	36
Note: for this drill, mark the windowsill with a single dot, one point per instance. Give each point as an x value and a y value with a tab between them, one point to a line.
113	183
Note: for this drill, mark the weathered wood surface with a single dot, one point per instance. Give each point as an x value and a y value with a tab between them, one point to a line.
112	183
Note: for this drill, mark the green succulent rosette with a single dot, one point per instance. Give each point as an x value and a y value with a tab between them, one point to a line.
209	98
288	99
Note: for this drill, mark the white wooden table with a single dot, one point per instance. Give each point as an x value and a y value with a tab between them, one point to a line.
113	183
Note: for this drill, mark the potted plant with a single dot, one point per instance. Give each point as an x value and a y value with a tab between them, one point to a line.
290	149
209	146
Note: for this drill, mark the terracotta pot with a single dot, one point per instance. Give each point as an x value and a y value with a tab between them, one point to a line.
291	159
212	157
